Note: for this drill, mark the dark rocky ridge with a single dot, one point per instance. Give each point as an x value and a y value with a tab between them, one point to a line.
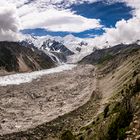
56	46
101	55
14	57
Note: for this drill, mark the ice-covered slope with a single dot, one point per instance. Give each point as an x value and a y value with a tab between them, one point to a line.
72	47
81	47
17	79
52	46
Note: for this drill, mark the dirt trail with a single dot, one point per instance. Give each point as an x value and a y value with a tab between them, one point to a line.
28	105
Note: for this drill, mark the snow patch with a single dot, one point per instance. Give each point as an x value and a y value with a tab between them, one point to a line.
17	79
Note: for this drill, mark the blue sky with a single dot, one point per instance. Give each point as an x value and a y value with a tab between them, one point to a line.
101	21
108	14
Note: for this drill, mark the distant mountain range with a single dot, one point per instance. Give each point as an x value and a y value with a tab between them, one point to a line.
71	47
35	53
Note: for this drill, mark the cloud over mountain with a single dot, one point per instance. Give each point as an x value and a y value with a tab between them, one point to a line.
125	31
9	25
57	16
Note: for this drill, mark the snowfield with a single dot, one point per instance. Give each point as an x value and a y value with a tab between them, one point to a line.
17	79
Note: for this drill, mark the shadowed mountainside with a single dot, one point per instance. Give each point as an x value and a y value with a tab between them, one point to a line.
16	58
101	55
56	46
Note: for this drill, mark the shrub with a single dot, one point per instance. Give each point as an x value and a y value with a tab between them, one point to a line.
67	136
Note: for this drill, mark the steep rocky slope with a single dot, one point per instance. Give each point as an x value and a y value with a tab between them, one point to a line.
50	45
15	58
119	83
101	55
56	46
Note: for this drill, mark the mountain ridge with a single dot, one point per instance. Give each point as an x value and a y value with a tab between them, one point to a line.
72	47
16	58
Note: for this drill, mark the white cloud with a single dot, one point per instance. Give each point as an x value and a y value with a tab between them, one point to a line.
51	15
136	5
8	23
40	14
55	20
124	32
48	14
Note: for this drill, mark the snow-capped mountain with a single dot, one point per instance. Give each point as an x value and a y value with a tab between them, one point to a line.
73	48
55	46
49	43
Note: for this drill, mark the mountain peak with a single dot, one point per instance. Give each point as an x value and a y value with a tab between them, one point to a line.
70	37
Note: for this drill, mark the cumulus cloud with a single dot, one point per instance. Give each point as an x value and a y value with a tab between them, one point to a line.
55	20
125	31
53	16
8	23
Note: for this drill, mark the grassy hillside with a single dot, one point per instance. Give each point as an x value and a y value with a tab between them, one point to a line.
119	82
102	55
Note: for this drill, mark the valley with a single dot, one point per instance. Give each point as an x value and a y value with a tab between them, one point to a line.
47	97
44	99
90	100
69	70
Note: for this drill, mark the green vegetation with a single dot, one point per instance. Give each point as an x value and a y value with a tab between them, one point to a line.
67	136
114	121
105	58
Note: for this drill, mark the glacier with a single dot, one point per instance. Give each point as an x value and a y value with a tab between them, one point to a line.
16	79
